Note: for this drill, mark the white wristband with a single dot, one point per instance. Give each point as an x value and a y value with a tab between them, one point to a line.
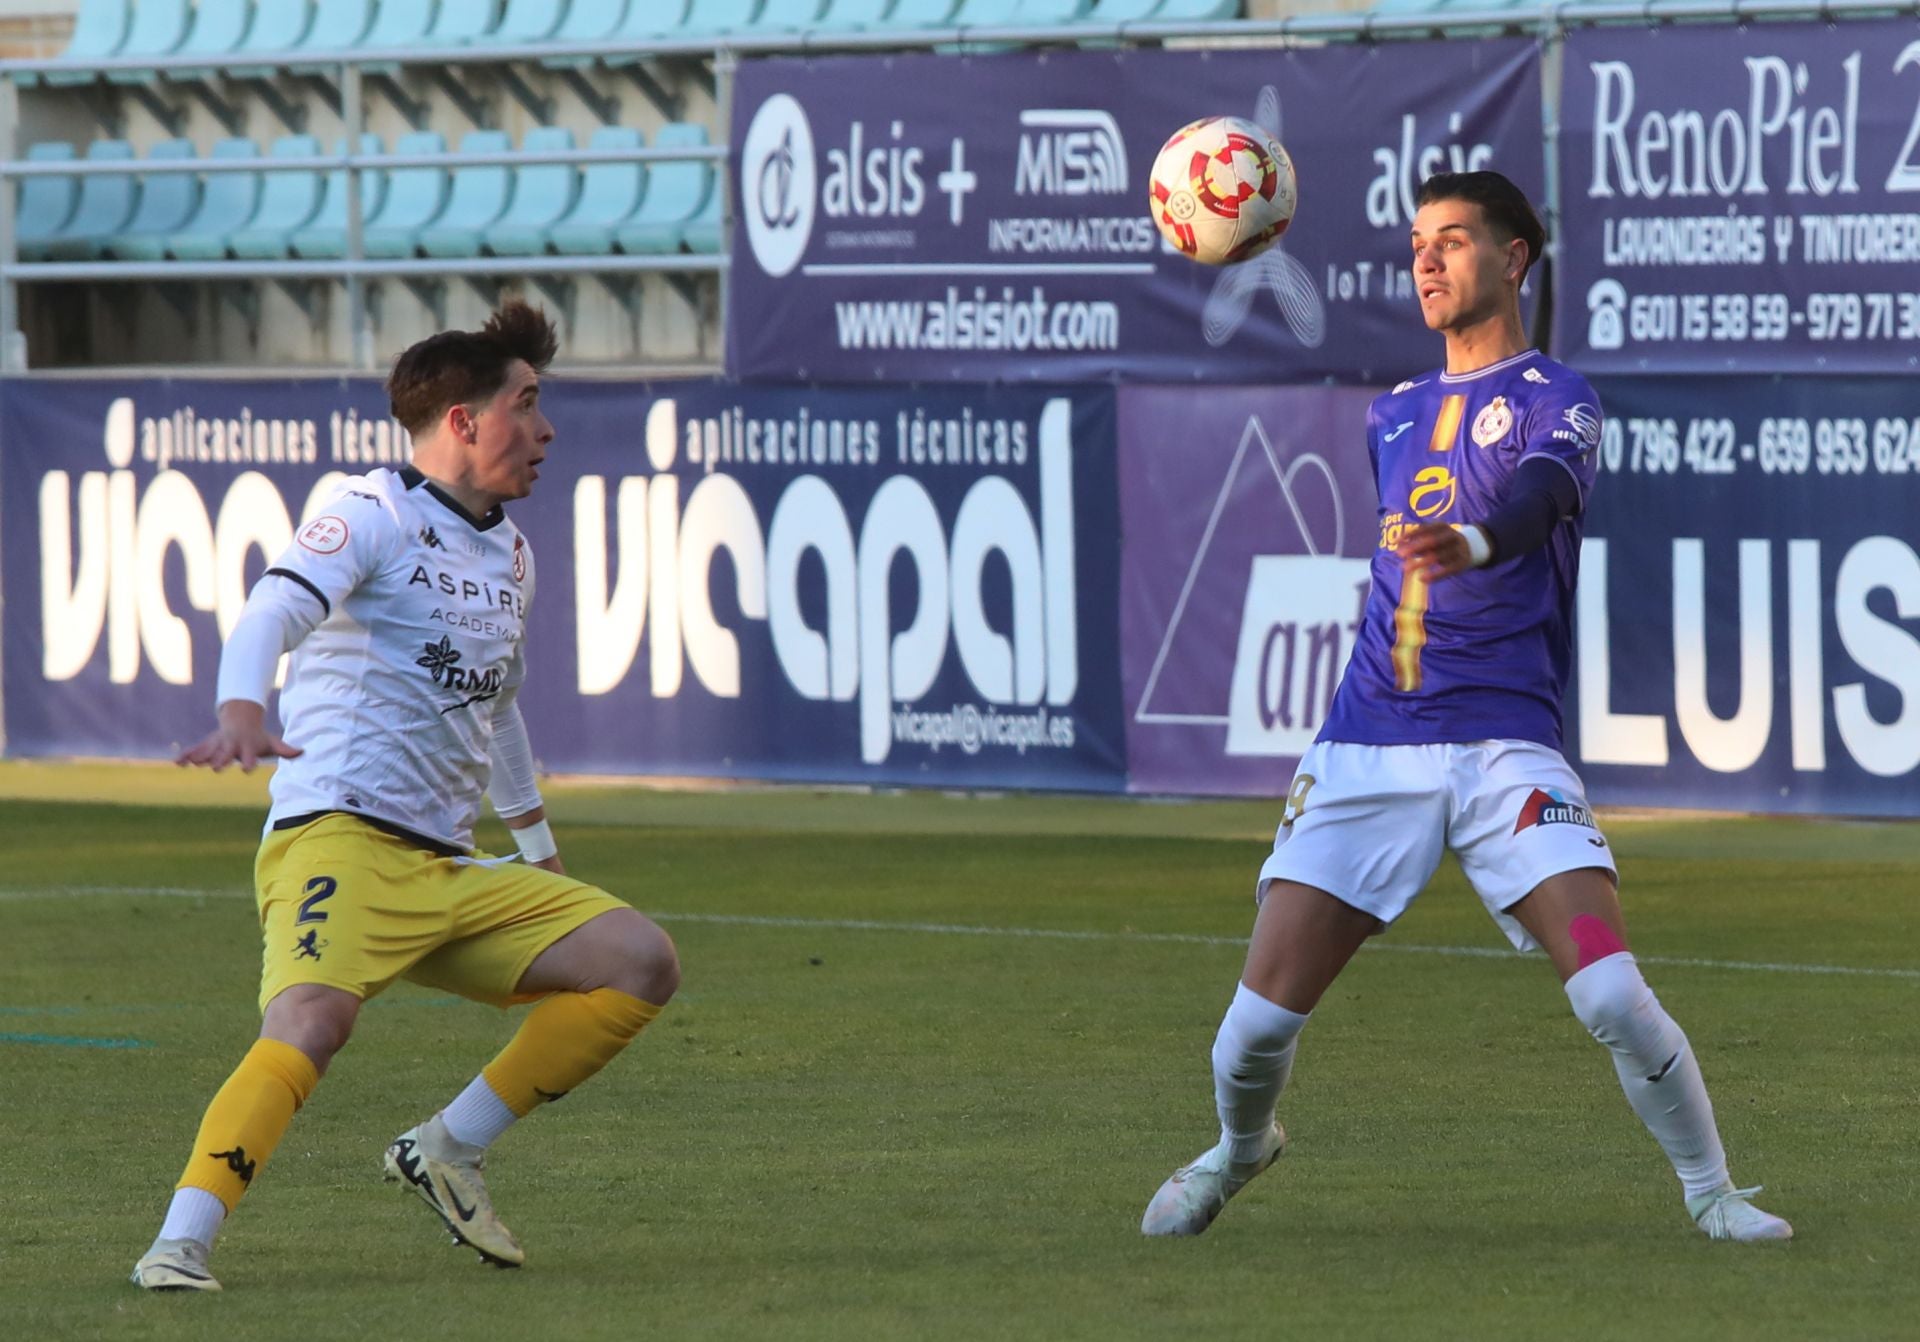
535	841
1479	548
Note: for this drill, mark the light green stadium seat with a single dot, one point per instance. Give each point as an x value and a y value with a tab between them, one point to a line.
785	16
676	192
919	14
45	203
543	193
528	21
1195	11
99	29
855	13
1404	6
646	19
219	26
984	13
715	18
414	198
106	203
324	237
338	25
158	29
1121	11
288	199
226	203
595	21
703	233
479	196
460	23
609	194
167	201
397	24
1051	11
278	27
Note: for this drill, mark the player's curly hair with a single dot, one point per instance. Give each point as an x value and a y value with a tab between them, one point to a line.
1505	206
467	367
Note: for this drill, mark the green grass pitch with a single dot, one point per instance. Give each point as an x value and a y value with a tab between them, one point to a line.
889	1104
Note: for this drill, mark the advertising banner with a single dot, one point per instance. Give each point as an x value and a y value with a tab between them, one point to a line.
985	218
1740	198
881	586
1749	603
1249	517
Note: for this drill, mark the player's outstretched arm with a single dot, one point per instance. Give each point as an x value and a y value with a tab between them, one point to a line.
241	738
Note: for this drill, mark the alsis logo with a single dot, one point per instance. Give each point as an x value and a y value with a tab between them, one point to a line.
1550	806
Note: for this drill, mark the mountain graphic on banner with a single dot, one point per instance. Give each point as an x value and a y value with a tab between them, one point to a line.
1264	506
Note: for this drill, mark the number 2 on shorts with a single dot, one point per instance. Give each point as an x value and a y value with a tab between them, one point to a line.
320	889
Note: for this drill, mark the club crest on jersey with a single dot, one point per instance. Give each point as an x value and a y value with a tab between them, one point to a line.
519	559
1550	806
1493	422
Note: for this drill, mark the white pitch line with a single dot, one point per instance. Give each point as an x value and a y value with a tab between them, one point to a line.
1032	933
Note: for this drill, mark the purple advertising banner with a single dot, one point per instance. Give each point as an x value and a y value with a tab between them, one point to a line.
984	218
1740	198
1250	518
877	585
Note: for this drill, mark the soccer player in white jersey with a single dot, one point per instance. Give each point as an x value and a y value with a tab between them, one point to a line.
404	604
1445	729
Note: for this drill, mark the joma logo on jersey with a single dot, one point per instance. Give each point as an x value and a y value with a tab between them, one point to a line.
1549	806
497	598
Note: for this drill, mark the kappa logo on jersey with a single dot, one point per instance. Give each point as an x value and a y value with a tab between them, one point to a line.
431	539
519	559
1535	375
1550	806
1493	422
324	535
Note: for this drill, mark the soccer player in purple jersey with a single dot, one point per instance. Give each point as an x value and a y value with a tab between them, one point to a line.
1445	731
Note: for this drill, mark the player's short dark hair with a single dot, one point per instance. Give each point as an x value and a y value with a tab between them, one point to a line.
1505	206
467	367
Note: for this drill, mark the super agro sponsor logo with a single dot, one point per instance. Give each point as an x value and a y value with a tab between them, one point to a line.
1551	806
107	537
842	644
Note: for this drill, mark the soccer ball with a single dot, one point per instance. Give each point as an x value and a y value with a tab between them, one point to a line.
1223	189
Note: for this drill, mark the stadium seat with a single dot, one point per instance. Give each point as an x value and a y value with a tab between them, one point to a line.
703	233
218	28
594	21
676	192
106	203
413	199
463	22
479	196
844	14
288	200
918	14
1195	11
45	203
609	194
278	27
325	235
338	25
227	202
528	21
167	201
716	17
984	13
398	24
1122	11
158	29
98	31
785	16
647	19
543	193
1050	11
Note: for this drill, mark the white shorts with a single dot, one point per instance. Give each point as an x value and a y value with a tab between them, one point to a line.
1367	824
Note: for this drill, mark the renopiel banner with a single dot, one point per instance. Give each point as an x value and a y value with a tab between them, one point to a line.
985	218
1249	516
1749	603
877	586
1740	198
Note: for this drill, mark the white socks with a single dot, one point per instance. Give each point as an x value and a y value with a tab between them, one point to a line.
477	1116
1252	1058
1656	1067
193	1214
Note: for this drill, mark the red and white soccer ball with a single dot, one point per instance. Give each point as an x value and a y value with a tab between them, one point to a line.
1223	190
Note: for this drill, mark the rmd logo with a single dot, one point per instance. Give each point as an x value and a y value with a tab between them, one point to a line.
1070	152
661	583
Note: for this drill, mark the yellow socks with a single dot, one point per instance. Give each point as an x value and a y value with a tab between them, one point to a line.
564	1040
247	1119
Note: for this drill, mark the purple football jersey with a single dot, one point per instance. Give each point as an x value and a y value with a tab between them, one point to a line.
1482	655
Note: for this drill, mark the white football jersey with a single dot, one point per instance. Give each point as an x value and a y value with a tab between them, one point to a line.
392	696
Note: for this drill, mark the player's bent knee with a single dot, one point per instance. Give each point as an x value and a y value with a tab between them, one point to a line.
656	963
316	1019
1613	1001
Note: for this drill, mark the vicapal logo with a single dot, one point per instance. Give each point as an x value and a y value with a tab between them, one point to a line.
777	184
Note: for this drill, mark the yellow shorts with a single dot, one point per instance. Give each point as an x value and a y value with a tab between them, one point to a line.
353	907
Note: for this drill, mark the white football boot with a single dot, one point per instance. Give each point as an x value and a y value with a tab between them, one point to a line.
1188	1201
447	1176
174	1265
1725	1213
